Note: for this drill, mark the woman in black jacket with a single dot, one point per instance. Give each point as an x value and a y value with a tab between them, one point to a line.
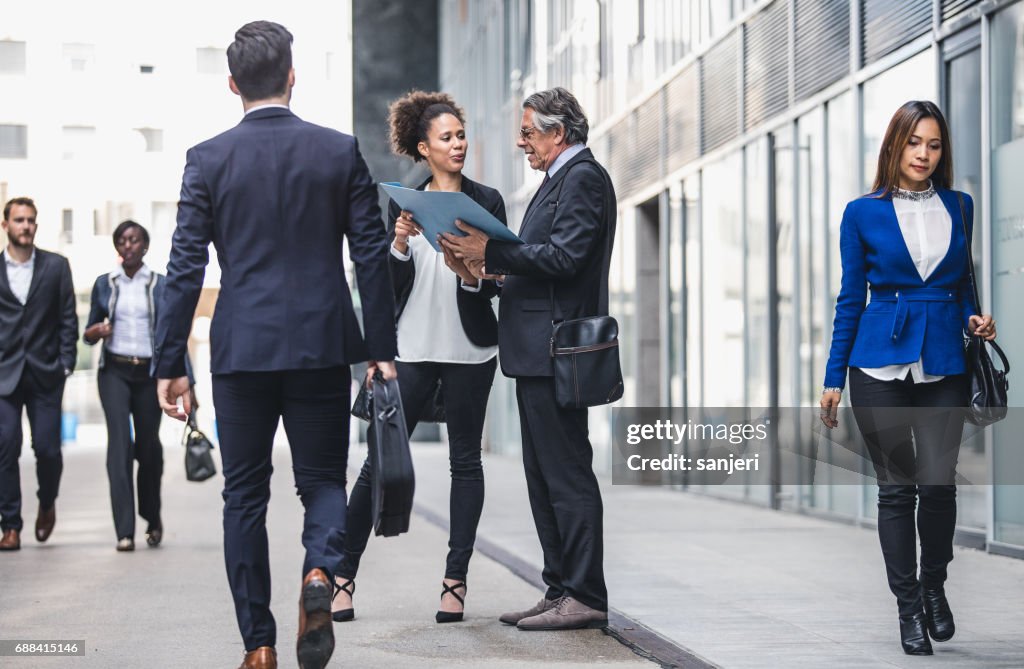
447	335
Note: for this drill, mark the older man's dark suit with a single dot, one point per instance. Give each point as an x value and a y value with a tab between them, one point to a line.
38	341
276	196
565	230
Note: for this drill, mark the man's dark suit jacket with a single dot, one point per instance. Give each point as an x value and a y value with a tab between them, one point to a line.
276	195
565	230
42	334
475	312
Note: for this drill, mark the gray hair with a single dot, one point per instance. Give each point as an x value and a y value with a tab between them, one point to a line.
558	108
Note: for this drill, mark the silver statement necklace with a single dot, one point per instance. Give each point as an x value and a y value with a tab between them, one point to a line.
915	195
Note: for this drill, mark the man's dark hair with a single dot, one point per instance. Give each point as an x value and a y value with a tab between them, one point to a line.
125	226
23	201
260	58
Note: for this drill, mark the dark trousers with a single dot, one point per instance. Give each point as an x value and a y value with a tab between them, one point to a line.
314	406
922	447
564	494
465	388
43	405
128	396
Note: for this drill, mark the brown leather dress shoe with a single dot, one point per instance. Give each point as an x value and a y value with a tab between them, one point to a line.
567	614
11	541
316	631
264	657
45	522
513	617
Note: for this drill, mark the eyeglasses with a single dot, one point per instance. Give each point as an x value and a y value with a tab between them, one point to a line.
526	132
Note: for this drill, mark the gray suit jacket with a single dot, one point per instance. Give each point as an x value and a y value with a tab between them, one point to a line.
42	334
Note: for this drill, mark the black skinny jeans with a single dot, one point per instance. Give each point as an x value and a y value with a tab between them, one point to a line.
128	396
914	458
465	388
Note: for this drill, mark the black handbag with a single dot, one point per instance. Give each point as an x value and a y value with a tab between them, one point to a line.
585	351
989	384
199	464
392	478
432	411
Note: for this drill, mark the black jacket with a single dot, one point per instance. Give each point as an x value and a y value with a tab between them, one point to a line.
565	230
475	312
42	334
277	196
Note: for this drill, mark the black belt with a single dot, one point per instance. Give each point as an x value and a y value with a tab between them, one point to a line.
128	359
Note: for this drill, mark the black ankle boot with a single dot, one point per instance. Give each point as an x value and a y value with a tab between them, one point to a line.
936	610
913	635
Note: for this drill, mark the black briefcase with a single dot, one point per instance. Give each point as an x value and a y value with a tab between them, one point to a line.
393	480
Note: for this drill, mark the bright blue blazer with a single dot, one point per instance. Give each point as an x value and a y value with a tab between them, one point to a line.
907	318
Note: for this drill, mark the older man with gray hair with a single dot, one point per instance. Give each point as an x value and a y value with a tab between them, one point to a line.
558	274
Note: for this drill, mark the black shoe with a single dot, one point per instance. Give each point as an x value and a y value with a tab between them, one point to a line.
450	616
936	610
344	615
913	635
154	535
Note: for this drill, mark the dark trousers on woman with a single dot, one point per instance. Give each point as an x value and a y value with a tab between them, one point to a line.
43	405
128	396
914	453
465	388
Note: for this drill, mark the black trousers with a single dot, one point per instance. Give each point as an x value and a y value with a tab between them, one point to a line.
314	406
564	494
922	447
43	405
128	396
465	388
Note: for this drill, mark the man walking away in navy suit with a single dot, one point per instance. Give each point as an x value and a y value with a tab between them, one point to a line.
277	196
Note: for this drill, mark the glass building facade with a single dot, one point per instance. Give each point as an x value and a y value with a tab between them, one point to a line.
735	133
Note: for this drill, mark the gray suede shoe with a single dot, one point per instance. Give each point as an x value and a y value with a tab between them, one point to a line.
567	614
540	607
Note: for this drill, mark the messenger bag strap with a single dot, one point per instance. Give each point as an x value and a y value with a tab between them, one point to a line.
602	299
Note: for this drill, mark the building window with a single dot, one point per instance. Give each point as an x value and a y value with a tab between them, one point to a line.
13	141
12	57
211	60
67	225
79	141
146	69
154	139
79	57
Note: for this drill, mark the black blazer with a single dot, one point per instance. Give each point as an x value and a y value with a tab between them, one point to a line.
565	230
276	196
475	312
42	334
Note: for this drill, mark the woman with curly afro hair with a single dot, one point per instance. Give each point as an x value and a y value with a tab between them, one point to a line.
447	342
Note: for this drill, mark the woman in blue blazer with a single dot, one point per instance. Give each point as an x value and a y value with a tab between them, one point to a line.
447	334
905	244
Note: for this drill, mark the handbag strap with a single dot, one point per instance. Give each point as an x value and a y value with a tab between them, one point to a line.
970	255
606	259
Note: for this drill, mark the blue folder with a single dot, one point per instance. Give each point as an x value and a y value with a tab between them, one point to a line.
436	211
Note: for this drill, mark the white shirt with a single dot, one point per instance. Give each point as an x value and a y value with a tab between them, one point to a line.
430	327
927	231
564	157
19	275
269	106
131	335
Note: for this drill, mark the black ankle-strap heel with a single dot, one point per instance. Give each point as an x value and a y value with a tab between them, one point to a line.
450	616
344	615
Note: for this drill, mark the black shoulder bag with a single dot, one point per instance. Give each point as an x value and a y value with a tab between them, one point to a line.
989	385
585	351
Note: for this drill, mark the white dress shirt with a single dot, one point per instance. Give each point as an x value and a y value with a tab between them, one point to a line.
430	327
927	231
19	275
131	335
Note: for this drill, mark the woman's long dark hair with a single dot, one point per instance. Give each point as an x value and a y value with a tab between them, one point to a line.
898	134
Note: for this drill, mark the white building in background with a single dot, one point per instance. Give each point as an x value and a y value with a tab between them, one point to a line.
101	100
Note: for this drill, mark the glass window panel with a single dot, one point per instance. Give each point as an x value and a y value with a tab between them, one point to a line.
758	293
13	141
693	268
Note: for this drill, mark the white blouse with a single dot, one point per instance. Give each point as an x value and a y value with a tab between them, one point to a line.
927	231
430	328
131	335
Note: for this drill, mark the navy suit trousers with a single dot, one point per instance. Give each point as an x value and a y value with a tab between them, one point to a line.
314	406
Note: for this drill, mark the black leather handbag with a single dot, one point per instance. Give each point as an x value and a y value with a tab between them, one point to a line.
585	351
989	384
199	464
392	478
432	412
